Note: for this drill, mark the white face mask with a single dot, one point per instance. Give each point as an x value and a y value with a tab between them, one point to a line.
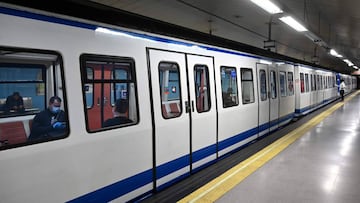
55	109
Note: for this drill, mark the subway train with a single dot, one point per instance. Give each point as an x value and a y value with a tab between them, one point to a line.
189	104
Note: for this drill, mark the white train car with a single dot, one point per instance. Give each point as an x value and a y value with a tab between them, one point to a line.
314	89
188	104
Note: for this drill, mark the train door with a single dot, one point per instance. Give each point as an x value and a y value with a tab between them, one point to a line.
170	113
203	109
273	97
264	101
100	95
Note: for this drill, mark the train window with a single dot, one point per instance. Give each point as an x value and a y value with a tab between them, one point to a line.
202	88
312	81
263	89
302	88
290	84
282	78
306	82
169	83
109	92
28	78
247	86
273	87
229	86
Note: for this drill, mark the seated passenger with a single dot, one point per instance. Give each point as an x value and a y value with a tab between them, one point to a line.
14	103
119	110
50	122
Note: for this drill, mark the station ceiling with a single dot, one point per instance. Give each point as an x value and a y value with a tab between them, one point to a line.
332	24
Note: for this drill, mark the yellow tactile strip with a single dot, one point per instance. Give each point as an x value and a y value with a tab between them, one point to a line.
224	183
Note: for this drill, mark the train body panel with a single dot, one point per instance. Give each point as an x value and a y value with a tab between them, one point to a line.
188	104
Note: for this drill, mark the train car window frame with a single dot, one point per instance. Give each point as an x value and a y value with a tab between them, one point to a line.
290	83
36	75
273	84
302	83
247	86
263	87
283	84
104	114
230	96
307	89
170	109
202	88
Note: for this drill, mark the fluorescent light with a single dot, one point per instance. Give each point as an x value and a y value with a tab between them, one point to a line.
293	23
356	67
334	53
268	6
265	62
349	63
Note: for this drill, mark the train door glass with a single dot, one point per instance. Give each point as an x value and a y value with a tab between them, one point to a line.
263	85
109	92
273	85
307	82
170	90
290	84
264	103
28	78
274	100
202	88
282	78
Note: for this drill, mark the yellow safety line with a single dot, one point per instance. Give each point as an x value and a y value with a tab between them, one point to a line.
225	182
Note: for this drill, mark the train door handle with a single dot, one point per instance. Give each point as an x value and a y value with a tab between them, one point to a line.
192	105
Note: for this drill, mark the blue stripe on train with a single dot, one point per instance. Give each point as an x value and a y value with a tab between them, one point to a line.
117	189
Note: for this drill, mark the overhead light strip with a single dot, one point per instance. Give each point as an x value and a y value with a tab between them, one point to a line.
268	6
293	23
334	53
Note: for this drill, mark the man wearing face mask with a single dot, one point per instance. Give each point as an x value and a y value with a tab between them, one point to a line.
50	122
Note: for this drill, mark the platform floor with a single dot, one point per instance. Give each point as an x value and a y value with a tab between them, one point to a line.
323	165
316	159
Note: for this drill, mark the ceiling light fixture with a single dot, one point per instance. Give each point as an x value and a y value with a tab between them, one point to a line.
268	6
349	63
265	62
293	23
334	53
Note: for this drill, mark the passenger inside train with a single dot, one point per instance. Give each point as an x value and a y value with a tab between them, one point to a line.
14	103
119	110
50	122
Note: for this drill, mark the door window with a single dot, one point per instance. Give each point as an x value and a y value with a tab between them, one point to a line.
170	91
263	89
273	85
202	88
282	83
